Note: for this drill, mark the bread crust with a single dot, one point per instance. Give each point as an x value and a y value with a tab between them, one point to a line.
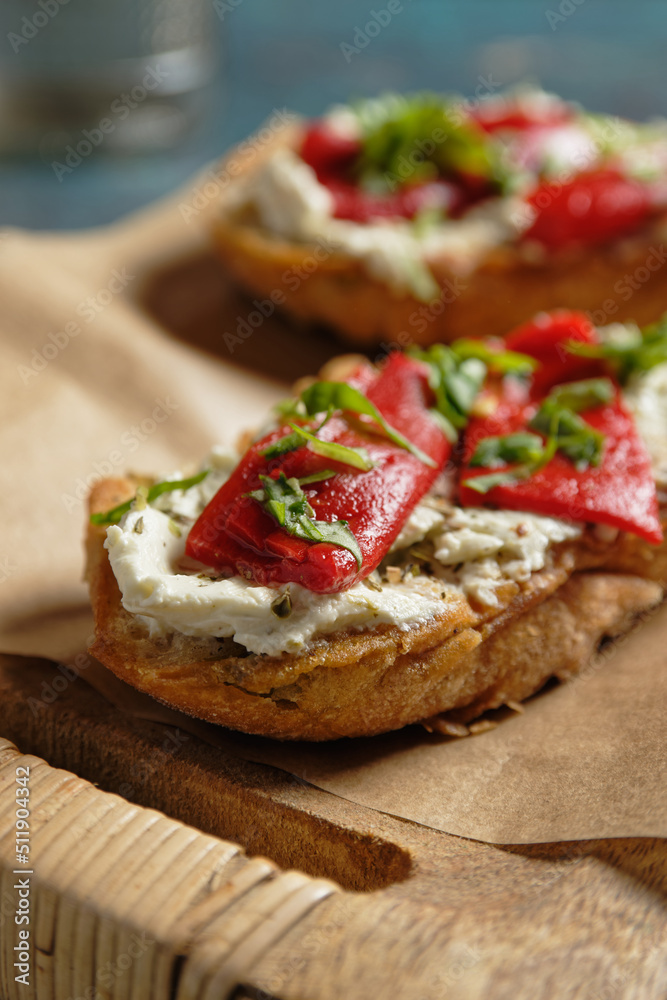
362	683
505	289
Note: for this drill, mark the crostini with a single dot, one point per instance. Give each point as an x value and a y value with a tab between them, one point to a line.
419	219
440	532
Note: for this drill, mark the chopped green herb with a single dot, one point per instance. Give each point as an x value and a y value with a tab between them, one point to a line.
324	396
289	407
426	220
290	442
358	458
578	396
286	502
427	131
496	451
639	351
501	362
558	420
317	477
282	606
482	484
114	515
455	381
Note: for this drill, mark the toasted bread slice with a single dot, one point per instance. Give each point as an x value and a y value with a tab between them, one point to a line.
507	287
356	683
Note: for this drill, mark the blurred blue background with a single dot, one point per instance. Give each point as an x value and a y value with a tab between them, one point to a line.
63	63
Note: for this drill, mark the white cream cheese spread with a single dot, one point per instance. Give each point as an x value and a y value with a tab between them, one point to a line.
471	551
292	203
646	397
476	550
145	564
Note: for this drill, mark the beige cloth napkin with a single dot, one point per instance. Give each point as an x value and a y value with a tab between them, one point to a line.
92	386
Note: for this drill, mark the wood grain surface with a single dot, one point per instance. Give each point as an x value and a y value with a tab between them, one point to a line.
196	302
424	915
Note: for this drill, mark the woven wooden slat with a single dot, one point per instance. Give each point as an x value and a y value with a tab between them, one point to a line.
130	905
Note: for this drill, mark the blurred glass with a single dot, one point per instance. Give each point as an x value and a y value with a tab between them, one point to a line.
83	76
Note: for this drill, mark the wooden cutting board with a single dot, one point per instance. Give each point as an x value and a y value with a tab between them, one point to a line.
422	915
413	914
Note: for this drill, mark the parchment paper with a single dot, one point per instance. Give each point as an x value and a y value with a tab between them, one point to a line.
114	392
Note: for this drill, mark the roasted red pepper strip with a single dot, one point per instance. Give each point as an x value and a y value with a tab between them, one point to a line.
619	492
593	207
544	338
506	114
235	535
332	156
327	150
352	202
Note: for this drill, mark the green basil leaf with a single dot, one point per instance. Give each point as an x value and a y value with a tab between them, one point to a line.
358	458
500	361
114	515
289	407
446	426
428	132
286	502
338	533
290	442
584	447
578	396
427	219
464	383
558	419
639	351
455	382
510	448
322	396
482	484
317	477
